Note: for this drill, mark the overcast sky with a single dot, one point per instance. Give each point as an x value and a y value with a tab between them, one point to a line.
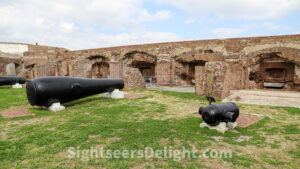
83	24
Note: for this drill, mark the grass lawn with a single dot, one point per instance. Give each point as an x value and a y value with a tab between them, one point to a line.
161	119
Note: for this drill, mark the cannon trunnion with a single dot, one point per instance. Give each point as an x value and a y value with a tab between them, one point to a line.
48	90
11	80
216	113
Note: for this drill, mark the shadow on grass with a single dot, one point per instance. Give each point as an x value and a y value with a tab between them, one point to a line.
42	111
83	101
5	87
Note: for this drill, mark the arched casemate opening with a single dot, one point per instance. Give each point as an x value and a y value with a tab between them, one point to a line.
100	67
13	69
186	63
100	70
18	68
274	70
30	71
185	72
144	62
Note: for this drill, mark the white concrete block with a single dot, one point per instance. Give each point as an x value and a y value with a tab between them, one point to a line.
221	127
55	107
117	94
231	125
16	86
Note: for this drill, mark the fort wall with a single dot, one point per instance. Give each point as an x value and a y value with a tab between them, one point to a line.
213	66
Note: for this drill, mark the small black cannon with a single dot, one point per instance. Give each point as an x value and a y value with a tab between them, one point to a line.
11	80
216	113
48	90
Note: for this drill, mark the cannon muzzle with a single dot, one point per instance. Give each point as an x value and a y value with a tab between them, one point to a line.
11	80
216	113
48	90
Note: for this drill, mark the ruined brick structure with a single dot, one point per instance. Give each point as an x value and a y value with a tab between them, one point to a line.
212	66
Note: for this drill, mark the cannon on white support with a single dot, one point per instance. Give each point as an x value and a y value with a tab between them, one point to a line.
51	91
13	81
219	116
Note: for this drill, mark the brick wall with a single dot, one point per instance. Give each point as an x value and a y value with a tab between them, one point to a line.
133	78
228	62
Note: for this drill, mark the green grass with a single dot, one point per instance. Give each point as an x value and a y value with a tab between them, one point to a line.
180	95
292	110
42	141
10	98
295	153
291	129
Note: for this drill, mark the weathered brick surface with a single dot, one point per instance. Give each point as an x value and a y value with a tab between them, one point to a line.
82	68
233	79
47	69
163	73
133	78
200	80
115	70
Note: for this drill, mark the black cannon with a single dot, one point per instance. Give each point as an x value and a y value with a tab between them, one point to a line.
48	90
11	80
216	113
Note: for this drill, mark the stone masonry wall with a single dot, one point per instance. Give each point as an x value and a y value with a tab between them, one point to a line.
230	64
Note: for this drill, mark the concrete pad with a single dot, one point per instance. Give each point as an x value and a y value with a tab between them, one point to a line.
265	97
242	121
133	95
15	113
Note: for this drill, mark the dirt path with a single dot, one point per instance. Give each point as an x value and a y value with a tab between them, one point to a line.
174	89
265	97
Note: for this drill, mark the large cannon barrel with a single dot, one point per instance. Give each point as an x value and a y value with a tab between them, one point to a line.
216	113
11	80
48	90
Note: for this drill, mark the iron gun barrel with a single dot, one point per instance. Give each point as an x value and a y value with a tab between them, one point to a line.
216	113
48	90
11	80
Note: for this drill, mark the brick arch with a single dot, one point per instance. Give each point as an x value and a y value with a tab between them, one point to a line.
138	68
5	61
138	56
205	55
185	64
273	65
290	54
99	66
98	58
